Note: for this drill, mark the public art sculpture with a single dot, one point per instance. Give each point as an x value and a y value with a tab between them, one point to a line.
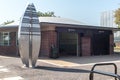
29	36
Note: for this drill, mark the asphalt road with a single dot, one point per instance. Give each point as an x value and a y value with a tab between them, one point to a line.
11	69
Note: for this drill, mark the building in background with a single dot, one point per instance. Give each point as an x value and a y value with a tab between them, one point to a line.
68	36
108	20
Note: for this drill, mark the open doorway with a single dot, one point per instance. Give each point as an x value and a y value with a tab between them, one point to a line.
68	44
100	44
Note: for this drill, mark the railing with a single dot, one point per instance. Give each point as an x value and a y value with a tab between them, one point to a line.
115	75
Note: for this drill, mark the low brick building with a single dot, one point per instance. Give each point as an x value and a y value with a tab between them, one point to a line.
68	36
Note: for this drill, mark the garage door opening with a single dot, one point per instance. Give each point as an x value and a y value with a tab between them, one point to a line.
68	44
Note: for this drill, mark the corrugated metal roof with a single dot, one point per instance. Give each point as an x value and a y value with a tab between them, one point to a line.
50	20
59	20
14	24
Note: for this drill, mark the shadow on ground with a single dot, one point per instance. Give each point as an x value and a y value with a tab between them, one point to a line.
62	69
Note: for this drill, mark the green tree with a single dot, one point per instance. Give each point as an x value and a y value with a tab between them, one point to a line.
46	14
117	17
8	22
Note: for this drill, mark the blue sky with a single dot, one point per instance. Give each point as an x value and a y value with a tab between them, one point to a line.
87	11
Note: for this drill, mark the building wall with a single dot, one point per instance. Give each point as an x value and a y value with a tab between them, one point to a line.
48	39
10	50
86	46
111	44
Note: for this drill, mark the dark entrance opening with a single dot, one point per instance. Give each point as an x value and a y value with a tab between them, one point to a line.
67	44
100	44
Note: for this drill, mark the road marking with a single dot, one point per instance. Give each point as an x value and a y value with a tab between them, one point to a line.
13	78
60	63
4	70
1	66
63	63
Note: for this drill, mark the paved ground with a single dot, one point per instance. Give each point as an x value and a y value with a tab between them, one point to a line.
70	68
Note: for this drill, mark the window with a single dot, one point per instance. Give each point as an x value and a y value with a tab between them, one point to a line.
4	39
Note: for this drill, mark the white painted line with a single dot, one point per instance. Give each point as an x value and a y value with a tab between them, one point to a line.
4	70
1	66
78	64
13	78
58	64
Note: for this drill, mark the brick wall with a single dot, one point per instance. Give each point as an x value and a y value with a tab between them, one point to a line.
86	46
48	38
111	44
11	49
